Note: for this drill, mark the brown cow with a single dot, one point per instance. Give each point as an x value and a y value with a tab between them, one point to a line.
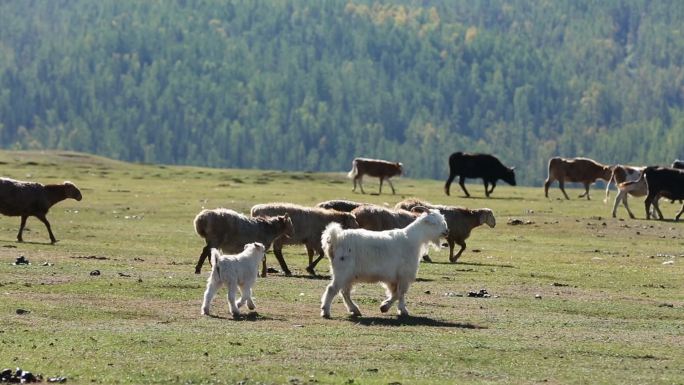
374	167
582	170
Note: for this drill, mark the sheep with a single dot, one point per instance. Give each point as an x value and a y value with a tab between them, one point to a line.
234	271
461	222
390	257
339	205
25	199
309	223
229	231
378	218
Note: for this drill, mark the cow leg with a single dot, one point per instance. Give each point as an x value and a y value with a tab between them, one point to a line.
647	203
486	184
354	181
493	185
656	208
360	178
586	191
461	180
561	185
447	185
679	214
619	199
547	184
624	203
381	179
391	185
20	238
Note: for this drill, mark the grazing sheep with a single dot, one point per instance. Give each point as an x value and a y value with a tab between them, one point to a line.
25	199
230	231
390	257
461	222
339	205
234	271
309	223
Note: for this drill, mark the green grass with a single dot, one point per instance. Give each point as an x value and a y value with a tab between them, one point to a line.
610	311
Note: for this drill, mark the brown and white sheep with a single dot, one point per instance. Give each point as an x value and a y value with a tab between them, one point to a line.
308	223
25	199
339	205
461	222
230	231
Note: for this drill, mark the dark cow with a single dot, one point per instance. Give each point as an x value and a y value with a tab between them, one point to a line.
678	164
582	170
374	167
665	182
485	166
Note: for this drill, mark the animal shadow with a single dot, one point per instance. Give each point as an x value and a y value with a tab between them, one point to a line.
411	321
308	276
251	316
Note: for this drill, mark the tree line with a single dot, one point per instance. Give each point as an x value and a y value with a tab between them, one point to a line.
301	85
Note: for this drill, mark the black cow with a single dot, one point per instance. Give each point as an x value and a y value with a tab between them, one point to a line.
485	166
665	182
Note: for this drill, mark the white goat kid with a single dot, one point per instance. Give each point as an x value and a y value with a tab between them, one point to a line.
234	271
390	257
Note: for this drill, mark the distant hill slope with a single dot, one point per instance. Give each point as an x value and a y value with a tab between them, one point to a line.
309	85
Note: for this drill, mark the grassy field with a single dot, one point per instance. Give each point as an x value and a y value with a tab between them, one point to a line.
577	296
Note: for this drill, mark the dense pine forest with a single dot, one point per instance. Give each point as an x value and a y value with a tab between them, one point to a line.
308	85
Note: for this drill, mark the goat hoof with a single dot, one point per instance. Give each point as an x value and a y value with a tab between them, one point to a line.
384	308
310	270
325	314
426	258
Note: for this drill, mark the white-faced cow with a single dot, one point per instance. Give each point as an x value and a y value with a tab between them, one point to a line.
485	166
374	167
582	170
678	164
622	174
665	182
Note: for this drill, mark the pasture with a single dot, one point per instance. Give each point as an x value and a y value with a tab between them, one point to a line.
576	296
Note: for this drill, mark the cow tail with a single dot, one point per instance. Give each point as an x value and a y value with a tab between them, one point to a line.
329	239
354	171
612	178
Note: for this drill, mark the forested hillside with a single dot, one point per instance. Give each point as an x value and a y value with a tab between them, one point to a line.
308	85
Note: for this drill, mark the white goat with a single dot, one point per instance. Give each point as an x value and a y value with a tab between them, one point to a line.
390	257
234	271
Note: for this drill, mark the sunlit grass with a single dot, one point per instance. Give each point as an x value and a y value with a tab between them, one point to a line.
577	297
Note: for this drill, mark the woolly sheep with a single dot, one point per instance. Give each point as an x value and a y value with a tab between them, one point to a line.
234	271
230	231
25	199
390	257
461	222
309	223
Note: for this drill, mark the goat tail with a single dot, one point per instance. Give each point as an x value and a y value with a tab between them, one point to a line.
354	171
612	178
329	239
215	254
